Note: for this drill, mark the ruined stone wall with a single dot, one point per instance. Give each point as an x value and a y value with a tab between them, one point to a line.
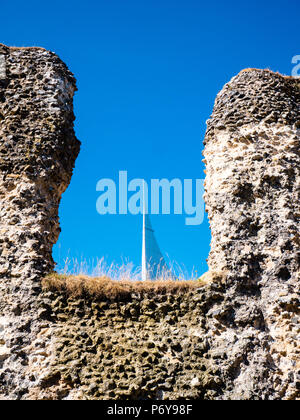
143	346
235	338
38	148
252	156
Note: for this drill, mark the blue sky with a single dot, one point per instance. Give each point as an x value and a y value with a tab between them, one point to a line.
148	73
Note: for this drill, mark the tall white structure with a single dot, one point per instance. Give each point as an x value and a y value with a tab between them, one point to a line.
153	262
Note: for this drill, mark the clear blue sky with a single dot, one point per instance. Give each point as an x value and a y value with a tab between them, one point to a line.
148	73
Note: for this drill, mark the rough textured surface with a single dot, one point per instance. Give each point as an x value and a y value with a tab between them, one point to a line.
253	203
148	346
37	154
235	338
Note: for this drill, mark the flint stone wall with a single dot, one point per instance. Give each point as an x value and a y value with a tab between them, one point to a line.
38	148
253	202
143	346
235	338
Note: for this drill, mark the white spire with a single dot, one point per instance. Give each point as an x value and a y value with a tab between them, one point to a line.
144	267
153	262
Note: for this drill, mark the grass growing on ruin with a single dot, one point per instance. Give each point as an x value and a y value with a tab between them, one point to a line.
267	71
97	279
126	270
104	287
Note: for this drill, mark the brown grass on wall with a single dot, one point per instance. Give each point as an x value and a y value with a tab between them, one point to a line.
104	287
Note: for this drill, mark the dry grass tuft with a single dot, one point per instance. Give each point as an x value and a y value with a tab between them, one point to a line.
104	287
12	48
267	71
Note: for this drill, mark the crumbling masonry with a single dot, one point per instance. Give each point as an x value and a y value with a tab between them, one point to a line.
38	149
252	151
235	338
